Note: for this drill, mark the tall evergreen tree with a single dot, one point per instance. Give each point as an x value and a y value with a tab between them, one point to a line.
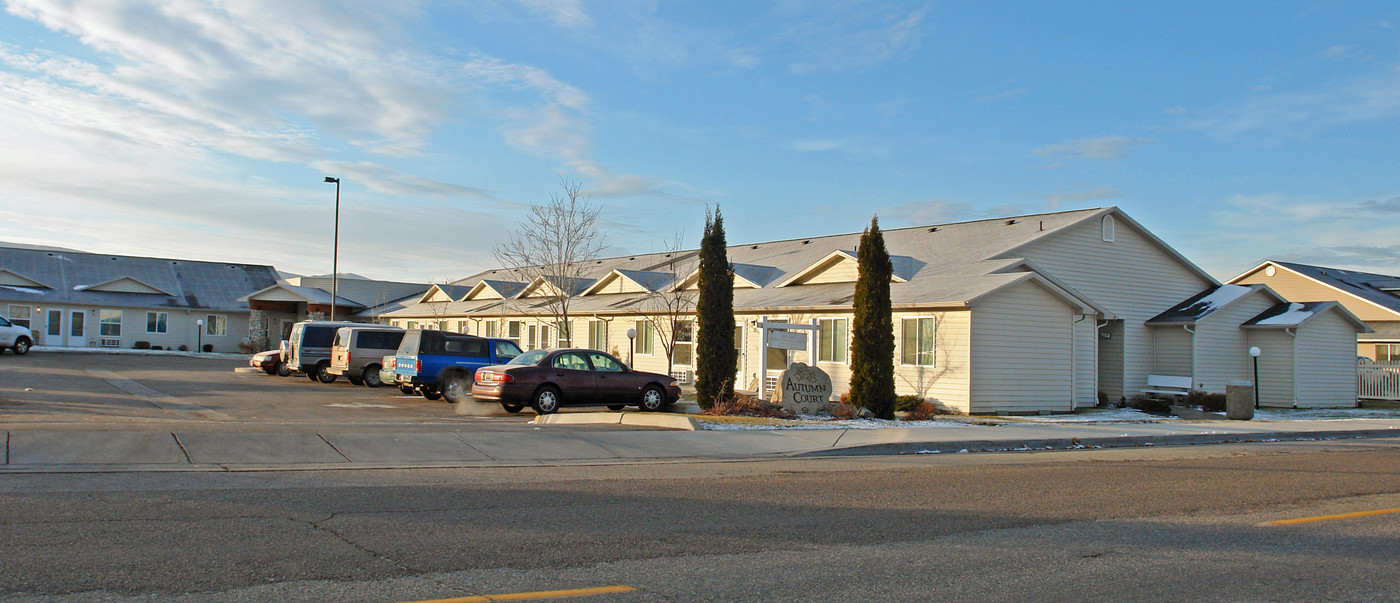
872	335
715	357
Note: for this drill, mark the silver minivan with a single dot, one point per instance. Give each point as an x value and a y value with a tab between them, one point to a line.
358	352
309	348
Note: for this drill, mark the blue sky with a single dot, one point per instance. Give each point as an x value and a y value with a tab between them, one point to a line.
1236	131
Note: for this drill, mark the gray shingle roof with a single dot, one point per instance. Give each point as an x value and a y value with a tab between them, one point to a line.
1204	304
70	278
945	265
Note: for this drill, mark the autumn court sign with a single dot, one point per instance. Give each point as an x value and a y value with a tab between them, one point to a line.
806	390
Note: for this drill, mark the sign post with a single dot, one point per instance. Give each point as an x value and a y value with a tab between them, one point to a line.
780	335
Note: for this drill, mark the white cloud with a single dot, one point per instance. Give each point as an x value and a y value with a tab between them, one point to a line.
1111	147
1098	193
1301	113
569	13
1341	233
848	36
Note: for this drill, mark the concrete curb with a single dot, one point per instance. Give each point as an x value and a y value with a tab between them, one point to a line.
638	419
1028	445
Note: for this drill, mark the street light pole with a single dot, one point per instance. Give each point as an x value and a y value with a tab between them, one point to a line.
1254	353
335	249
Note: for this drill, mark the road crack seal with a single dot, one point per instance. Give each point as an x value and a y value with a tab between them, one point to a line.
414	571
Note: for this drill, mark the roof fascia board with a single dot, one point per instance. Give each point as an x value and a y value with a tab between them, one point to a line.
1084	306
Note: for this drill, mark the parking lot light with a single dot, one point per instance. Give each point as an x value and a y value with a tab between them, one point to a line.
335	248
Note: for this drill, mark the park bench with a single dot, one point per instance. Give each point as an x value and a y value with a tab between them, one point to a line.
1168	386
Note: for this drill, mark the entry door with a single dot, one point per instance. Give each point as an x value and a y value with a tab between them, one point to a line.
53	333
77	328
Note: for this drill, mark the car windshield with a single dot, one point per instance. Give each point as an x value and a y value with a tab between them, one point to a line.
531	357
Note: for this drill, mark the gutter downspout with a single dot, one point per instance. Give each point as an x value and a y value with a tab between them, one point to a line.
1293	332
1192	330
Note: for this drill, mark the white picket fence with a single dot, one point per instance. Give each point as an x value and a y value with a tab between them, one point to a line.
1379	380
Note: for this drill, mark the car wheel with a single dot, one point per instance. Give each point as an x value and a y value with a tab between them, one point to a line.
355	380
271	370
513	408
616	406
545	401
653	399
283	370
323	373
431	394
456	387
407	390
311	375
21	347
371	376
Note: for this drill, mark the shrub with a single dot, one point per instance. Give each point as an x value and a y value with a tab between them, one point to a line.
1147	404
156	347
1207	401
744	405
208	347
1103	398
907	403
184	348
923	411
142	345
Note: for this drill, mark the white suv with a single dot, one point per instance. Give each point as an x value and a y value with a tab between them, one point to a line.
15	337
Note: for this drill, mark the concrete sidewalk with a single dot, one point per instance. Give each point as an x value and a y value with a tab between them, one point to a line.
115	451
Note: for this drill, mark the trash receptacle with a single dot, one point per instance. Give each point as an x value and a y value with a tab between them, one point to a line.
1239	400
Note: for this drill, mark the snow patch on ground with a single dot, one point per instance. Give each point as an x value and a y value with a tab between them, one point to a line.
808	422
1084	416
76	350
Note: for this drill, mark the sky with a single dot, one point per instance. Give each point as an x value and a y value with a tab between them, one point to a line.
1235	131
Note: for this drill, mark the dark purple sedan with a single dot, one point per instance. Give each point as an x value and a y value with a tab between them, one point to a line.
548	379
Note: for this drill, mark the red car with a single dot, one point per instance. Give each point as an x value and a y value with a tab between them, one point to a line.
548	379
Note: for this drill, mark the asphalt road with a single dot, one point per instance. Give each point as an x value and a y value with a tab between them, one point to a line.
1170	524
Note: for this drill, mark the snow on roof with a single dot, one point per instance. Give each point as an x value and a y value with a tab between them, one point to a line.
1202	304
1292	314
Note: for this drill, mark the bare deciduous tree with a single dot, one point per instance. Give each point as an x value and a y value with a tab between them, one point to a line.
667	306
556	243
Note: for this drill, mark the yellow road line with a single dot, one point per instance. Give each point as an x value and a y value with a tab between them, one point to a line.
539	594
1289	522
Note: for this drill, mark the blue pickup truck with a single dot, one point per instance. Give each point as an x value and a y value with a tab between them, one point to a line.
437	363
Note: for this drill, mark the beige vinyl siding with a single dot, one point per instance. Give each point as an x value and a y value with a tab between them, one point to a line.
1132	277
1275	366
1172	347
1223	347
619	284
1298	288
1326	367
1086	372
1021	351
439	296
948	382
838	270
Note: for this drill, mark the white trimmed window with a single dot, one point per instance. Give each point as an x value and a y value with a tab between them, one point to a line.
644	338
157	322
490	328
513	331
1388	352
683	349
1108	229
832	341
563	329
110	323
917	341
215	324
19	316
598	335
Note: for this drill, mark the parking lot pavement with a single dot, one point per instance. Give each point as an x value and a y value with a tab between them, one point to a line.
130	392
